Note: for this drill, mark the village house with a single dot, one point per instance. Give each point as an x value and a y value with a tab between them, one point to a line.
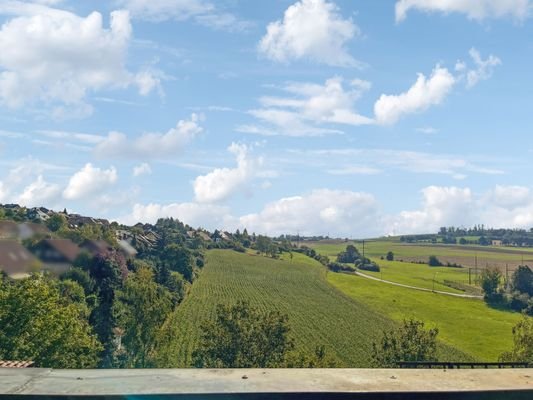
8	230
15	260
58	255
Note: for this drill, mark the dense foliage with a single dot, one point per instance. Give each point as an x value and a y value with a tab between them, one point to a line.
409	342
40	323
523	342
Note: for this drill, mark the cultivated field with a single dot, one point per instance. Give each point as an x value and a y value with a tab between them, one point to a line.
318	314
466	324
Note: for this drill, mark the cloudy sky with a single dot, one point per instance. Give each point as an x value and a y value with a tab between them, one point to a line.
348	118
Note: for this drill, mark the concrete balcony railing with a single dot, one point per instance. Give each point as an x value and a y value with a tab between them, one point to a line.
255	384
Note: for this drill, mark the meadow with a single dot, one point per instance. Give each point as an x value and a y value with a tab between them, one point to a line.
410	262
466	324
318	313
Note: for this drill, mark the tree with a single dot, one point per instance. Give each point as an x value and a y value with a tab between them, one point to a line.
179	259
410	342
56	222
243	337
522	280
433	261
523	342
38	324
141	308
263	244
490	281
390	256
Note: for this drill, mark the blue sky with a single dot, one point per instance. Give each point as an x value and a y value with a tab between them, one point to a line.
348	118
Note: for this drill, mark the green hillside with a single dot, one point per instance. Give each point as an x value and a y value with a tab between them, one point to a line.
318	314
466	324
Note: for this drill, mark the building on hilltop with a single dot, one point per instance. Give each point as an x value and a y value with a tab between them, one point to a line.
8	230
58	255
15	260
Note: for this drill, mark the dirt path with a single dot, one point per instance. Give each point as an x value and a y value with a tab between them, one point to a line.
465	296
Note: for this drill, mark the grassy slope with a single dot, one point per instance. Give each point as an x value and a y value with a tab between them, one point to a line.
469	325
318	313
414	274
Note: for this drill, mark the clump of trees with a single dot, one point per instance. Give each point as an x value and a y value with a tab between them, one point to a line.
241	336
520	297
352	256
410	342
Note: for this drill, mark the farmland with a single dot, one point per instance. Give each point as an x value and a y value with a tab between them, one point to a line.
466	324
318	313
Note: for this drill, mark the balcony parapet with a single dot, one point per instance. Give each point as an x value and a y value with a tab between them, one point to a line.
252	384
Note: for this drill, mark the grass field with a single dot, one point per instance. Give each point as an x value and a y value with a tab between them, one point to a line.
466	324
318	313
464	255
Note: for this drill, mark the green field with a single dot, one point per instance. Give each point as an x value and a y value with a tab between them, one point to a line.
466	324
318	313
467	256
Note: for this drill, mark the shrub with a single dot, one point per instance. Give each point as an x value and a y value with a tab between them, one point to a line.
434	262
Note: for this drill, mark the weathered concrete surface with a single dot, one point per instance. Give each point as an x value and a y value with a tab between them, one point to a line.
195	381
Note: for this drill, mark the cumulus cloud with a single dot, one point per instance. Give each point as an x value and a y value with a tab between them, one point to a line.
344	213
150	145
441	206
90	181
194	214
142	169
56	57
339	212
473	9
39	193
310	29
221	183
424	93
308	106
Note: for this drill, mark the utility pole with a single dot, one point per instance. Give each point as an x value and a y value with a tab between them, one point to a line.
363	250
469	276
434	276
506	276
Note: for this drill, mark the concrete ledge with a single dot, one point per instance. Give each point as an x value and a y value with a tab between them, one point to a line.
271	383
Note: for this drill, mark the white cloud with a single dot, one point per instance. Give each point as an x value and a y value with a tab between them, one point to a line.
89	181
424	93
201	11
151	145
162	10
309	106
442	206
142	169
338	212
474	9
354	170
377	160
221	183
484	68
39	193
194	214
499	207
56	57
310	29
